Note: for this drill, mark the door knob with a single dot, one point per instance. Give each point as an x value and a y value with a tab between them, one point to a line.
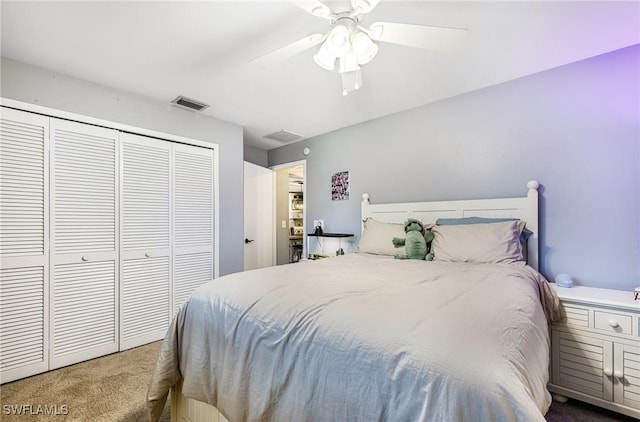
248	240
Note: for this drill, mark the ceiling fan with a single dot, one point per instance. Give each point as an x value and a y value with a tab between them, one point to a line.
352	45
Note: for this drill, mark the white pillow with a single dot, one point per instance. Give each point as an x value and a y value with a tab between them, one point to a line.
377	237
478	243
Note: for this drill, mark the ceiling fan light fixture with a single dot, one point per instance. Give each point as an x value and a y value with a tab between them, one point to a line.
338	40
324	58
355	45
364	49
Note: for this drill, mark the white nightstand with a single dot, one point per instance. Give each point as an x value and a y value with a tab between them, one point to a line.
595	351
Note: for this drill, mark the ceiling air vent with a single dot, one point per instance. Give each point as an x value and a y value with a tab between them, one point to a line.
188	103
285	136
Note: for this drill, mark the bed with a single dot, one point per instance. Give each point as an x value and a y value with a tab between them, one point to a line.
364	336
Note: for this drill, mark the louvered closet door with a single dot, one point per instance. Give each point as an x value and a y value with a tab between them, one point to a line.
84	197
24	246
193	219
145	243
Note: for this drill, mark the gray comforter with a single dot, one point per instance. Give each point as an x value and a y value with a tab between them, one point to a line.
364	338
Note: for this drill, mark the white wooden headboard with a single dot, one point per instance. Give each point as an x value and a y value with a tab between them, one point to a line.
524	208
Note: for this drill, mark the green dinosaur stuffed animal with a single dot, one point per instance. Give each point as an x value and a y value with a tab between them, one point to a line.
415	242
428	238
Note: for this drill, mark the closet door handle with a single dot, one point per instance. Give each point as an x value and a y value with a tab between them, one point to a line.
619	375
608	372
85	258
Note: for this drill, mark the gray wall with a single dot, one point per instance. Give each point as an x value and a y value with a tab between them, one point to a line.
256	156
38	86
575	129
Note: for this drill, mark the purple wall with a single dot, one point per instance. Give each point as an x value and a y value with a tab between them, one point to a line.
575	129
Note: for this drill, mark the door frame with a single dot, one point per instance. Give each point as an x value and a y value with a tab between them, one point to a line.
283	166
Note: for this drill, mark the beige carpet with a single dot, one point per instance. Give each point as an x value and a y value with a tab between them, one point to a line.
113	389
109	389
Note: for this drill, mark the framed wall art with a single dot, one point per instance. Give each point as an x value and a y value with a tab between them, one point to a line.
340	186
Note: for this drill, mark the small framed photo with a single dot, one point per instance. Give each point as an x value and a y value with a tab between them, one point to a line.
340	186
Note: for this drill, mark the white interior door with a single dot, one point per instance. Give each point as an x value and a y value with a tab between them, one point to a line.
258	217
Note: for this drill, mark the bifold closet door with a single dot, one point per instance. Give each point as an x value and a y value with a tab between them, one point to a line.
24	245
145	241
193	199
84	242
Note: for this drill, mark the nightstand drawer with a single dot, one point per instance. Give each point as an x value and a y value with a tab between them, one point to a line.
612	322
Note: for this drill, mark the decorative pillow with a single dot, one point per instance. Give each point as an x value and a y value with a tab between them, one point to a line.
377	236
524	235
478	243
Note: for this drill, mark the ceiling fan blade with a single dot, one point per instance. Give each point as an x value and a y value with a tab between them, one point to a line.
364	6
314	7
287	51
420	36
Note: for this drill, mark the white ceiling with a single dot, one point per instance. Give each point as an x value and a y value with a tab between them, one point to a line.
202	49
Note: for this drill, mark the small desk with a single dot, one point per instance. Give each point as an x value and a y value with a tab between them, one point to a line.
338	236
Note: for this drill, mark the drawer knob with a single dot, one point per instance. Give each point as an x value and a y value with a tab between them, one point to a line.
608	372
147	254
613	323
618	374
85	258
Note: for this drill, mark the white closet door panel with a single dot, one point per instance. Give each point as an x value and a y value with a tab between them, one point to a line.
22	307
85	183
145	303
84	203
191	271
24	244
84	312
146	240
193	196
146	193
23	187
193	220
